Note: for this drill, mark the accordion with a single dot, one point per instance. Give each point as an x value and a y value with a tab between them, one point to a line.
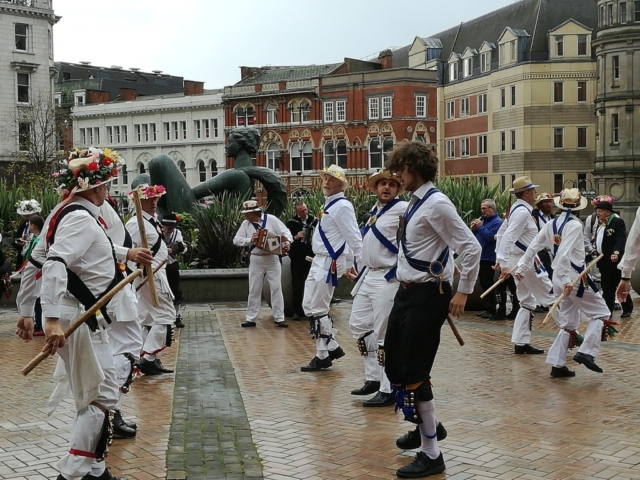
272	243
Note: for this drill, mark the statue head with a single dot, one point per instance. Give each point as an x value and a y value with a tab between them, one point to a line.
246	139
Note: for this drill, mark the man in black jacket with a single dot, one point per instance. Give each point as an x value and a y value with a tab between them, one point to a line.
610	237
301	227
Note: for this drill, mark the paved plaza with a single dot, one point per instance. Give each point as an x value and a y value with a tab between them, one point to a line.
239	408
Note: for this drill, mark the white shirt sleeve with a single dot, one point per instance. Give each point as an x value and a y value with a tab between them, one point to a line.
631	249
350	232
283	230
562	268
539	242
511	235
243	236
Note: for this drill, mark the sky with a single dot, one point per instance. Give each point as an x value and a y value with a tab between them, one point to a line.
207	40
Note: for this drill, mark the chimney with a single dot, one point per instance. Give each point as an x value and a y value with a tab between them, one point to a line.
97	96
192	87
248	72
386	59
128	94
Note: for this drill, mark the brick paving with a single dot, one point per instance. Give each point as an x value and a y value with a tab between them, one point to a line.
506	418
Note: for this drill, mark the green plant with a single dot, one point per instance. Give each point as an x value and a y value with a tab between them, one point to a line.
467	195
10	195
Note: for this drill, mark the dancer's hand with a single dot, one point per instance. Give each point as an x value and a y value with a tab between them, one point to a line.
505	274
456	307
54	335
567	289
624	288
24	328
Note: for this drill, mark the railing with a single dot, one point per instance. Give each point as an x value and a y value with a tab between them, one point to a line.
23	3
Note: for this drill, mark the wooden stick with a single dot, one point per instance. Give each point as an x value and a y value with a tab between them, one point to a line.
145	244
486	292
81	319
455	330
577	279
155	270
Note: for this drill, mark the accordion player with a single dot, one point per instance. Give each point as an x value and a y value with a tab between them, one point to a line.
271	242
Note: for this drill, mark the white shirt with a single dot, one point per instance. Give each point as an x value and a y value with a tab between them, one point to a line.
175	237
86	250
521	228
247	229
434	226
153	234
590	225
570	250
374	253
340	226
631	248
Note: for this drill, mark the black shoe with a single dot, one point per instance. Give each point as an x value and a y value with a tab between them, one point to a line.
381	399
559	372
368	388
248	324
587	361
411	439
528	349
316	365
126	422
120	428
179	323
625	315
487	315
422	466
498	316
155	367
480	314
106	475
336	354
281	324
295	317
335	300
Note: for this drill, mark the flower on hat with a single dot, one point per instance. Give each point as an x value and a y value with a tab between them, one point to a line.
178	218
87	168
146	192
602	198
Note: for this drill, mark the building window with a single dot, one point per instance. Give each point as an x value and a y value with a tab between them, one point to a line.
503	98
272	114
616	66
485	62
582	91
387	108
503	141
341	111
451	148
154	135
582	137
141	169
374	108
610	13
96	135
273	156
451	110
378	152
467	66
623	12
615	139
202	171
206	131
503	182
215	128
582	181
83	136
301	158
125	175
603	20
328	112
145	132
482	144
453	71
558	137
125	137
116	131
335	155
637	11
464	107
245	116
174	130
513	95
512	48
24	136
183	130
464	147
183	168
559	39
110	135
57	100
78	98
482	103
421	106
213	167
196	129
513	139
24	93
300	112
558	182
137	133
503	53
22	37
582	45
558	92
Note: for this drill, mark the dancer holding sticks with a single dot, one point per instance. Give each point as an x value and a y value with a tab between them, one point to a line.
564	235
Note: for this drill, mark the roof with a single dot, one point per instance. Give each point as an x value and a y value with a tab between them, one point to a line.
288	73
535	17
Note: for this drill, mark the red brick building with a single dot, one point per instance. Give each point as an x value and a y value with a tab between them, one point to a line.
349	113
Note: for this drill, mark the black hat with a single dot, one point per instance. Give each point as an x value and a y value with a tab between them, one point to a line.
604	206
170	220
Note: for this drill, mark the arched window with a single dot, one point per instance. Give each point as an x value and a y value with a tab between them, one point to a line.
141	169
213	167
300	111
245	116
125	175
273	156
335	155
272	114
202	171
183	168
377	152
301	159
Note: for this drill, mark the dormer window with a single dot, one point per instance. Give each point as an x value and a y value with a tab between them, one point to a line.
79	98
453	71
467	67
582	45
508	52
485	62
559	41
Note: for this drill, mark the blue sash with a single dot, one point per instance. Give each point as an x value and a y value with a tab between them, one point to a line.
332	274
381	238
557	233
258	227
586	281
435	268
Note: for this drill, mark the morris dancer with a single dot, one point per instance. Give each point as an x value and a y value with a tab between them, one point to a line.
261	262
377	285
336	242
157	321
429	231
564	236
535	287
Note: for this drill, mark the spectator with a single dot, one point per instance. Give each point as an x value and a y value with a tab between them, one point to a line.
301	227
485	229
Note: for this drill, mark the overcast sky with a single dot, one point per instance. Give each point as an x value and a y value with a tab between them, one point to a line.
208	40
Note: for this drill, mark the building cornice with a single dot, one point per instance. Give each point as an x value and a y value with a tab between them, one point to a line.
17	9
139	111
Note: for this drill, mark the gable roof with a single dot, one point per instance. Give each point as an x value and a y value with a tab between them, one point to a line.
288	73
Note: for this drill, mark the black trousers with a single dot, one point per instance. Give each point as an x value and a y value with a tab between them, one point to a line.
413	333
173	276
609	280
486	276
299	271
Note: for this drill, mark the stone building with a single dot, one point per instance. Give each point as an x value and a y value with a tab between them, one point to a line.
27	70
617	102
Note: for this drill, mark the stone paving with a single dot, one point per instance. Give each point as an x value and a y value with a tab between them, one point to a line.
242	408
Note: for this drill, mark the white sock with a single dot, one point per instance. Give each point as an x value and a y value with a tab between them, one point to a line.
427	411
151	358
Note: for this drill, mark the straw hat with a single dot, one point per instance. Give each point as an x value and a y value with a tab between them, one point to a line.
542	197
250	206
28	207
87	169
336	172
570	198
521	184
376	177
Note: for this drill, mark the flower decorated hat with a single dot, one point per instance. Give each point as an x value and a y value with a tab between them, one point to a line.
171	220
147	192
28	207
571	199
543	197
87	169
251	206
386	174
336	172
603	201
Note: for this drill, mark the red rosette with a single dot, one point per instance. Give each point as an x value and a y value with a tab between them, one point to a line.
93	166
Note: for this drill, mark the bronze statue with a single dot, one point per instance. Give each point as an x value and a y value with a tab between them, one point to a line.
243	143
